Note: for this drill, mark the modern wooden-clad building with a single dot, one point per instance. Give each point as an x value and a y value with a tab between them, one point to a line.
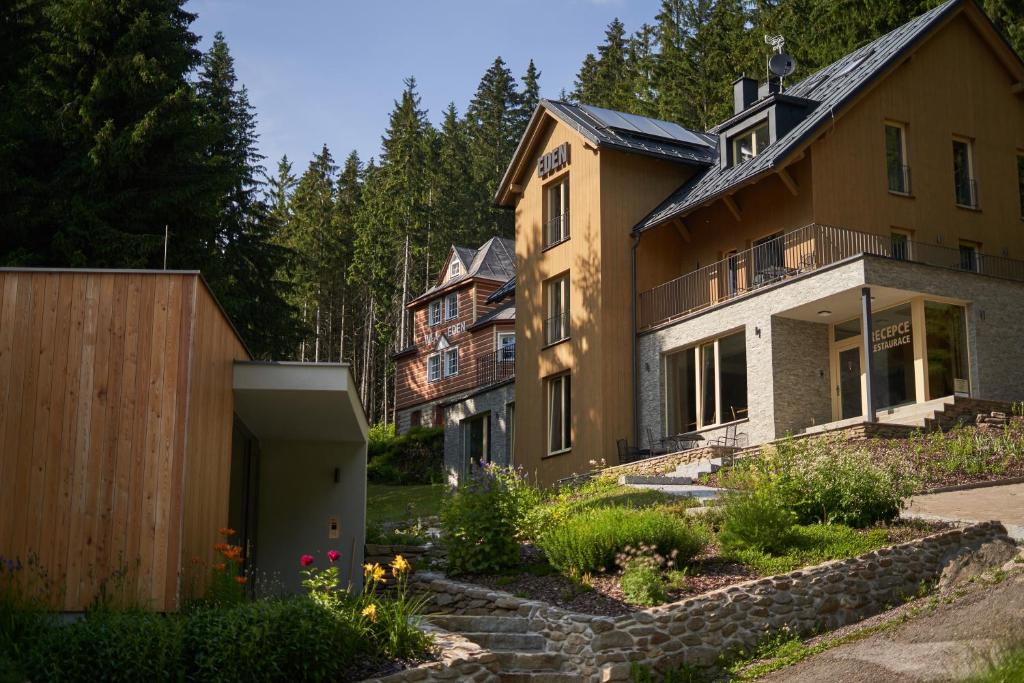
843	248
121	437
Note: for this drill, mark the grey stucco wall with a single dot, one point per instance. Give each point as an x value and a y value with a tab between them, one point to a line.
788	381
494	401
297	496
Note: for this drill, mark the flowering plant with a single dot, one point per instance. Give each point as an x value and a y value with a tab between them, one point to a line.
227	586
322	584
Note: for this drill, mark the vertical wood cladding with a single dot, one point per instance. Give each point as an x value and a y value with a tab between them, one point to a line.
413	387
94	400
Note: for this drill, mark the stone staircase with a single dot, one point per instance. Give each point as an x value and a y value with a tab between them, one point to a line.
521	652
681	480
941	414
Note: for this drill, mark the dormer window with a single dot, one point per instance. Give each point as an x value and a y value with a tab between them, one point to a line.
454	269
749	143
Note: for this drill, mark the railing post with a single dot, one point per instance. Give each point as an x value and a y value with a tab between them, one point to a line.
865	302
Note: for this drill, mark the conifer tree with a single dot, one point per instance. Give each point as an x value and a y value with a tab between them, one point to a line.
529	98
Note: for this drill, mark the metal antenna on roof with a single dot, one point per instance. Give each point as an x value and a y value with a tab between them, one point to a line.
779	63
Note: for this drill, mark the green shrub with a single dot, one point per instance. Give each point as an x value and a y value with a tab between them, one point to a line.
642	584
811	544
413	458
758	520
595	493
589	541
481	520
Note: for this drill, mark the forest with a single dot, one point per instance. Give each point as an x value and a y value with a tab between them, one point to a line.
119	137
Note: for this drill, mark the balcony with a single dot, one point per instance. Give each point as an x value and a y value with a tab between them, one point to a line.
795	253
496	366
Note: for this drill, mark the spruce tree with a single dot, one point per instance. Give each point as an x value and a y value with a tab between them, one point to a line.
529	98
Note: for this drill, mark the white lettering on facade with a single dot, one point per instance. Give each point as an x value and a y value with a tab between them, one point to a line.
891	336
553	160
452	331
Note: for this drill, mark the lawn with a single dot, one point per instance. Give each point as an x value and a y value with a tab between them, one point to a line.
386	503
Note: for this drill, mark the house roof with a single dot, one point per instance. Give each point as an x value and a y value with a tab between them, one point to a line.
831	88
495	260
505	290
505	313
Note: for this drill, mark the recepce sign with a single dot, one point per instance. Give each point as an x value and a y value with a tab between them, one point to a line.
891	336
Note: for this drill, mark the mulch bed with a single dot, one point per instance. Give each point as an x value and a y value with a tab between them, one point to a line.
603	596
380	668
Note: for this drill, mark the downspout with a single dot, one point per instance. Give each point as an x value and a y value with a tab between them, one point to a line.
633	327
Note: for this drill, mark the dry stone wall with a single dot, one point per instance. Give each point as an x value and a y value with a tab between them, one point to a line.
459	660
697	630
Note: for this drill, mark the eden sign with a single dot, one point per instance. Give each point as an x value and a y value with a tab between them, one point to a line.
553	160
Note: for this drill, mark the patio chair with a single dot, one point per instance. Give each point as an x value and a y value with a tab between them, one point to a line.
628	454
731	438
657	446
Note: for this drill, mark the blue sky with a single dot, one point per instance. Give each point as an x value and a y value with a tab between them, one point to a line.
328	71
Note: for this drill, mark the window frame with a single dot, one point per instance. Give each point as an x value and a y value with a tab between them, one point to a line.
564	383
557	285
751	132
699	398
560	185
452	352
430	362
908	240
972	181
501	346
904	164
431	320
454	269
974	248
451	306
1020	181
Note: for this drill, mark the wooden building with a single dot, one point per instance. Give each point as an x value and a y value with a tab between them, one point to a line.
131	424
720	283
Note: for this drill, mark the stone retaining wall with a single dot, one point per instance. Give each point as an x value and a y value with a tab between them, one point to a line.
659	464
459	660
698	629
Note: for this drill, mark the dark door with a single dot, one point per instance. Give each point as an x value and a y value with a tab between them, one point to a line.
243	504
849	383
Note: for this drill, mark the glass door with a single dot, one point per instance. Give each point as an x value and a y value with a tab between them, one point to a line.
848	388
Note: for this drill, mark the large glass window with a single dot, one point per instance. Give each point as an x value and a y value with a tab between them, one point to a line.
556	213
946	343
557	323
559	414
896	158
708	382
749	144
892	346
963	174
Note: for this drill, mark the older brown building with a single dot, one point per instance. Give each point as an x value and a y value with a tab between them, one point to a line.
843	249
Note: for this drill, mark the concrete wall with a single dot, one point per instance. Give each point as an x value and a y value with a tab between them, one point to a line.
297	496
495	401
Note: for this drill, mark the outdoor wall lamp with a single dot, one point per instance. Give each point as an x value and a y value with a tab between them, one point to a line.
825	313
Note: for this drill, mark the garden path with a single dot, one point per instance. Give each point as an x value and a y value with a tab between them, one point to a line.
1004	502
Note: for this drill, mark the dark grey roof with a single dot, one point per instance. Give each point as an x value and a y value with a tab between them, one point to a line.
832	88
501	292
495	260
501	313
662	139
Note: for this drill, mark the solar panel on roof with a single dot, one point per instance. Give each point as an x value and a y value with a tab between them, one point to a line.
633	123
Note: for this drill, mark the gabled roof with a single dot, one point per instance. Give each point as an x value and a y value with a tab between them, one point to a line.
504	313
501	292
832	88
605	128
495	260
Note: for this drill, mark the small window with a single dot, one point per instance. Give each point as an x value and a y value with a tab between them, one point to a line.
899	245
556	213
454	269
1020	182
434	367
559	396
556	325
749	144
451	306
963	174
896	158
435	312
415	418
451	362
969	256
506	346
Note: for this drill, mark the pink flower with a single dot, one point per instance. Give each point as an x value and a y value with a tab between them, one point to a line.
333	556
306	560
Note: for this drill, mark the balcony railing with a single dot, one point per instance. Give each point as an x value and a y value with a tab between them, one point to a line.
556	230
899	179
556	328
801	251
967	193
496	366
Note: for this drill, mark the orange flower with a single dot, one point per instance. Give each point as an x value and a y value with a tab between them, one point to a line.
220	566
241	580
220	547
226	532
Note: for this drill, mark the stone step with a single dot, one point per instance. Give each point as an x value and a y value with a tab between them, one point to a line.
530	661
508	642
461	623
515	676
648	479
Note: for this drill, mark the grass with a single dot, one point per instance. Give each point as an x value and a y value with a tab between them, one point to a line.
386	503
1009	669
812	544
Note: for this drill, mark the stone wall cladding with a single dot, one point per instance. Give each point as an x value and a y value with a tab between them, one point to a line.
800	387
494	400
697	630
460	660
663	464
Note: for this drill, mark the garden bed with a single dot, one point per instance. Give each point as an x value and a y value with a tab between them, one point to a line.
602	594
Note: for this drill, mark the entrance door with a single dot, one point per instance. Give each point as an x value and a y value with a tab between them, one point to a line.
243	500
848	388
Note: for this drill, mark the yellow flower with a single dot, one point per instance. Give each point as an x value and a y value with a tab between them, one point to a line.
378	573
399	565
370	612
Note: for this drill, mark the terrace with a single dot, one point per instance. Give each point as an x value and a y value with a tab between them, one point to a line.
796	253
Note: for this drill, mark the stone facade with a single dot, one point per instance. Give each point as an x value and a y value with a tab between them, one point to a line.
788	382
698	629
494	401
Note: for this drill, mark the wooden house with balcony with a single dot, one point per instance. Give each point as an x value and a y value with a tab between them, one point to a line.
843	249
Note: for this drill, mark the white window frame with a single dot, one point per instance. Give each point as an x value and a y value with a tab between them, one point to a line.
432	308
564	391
434	361
752	134
971	178
451	358
557	292
902	128
451	306
454	268
560	188
502	344
908	235
696	354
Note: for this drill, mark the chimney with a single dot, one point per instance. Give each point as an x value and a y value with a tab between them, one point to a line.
744	93
769	87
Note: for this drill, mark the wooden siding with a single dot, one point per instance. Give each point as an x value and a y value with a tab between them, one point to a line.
94	394
411	371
